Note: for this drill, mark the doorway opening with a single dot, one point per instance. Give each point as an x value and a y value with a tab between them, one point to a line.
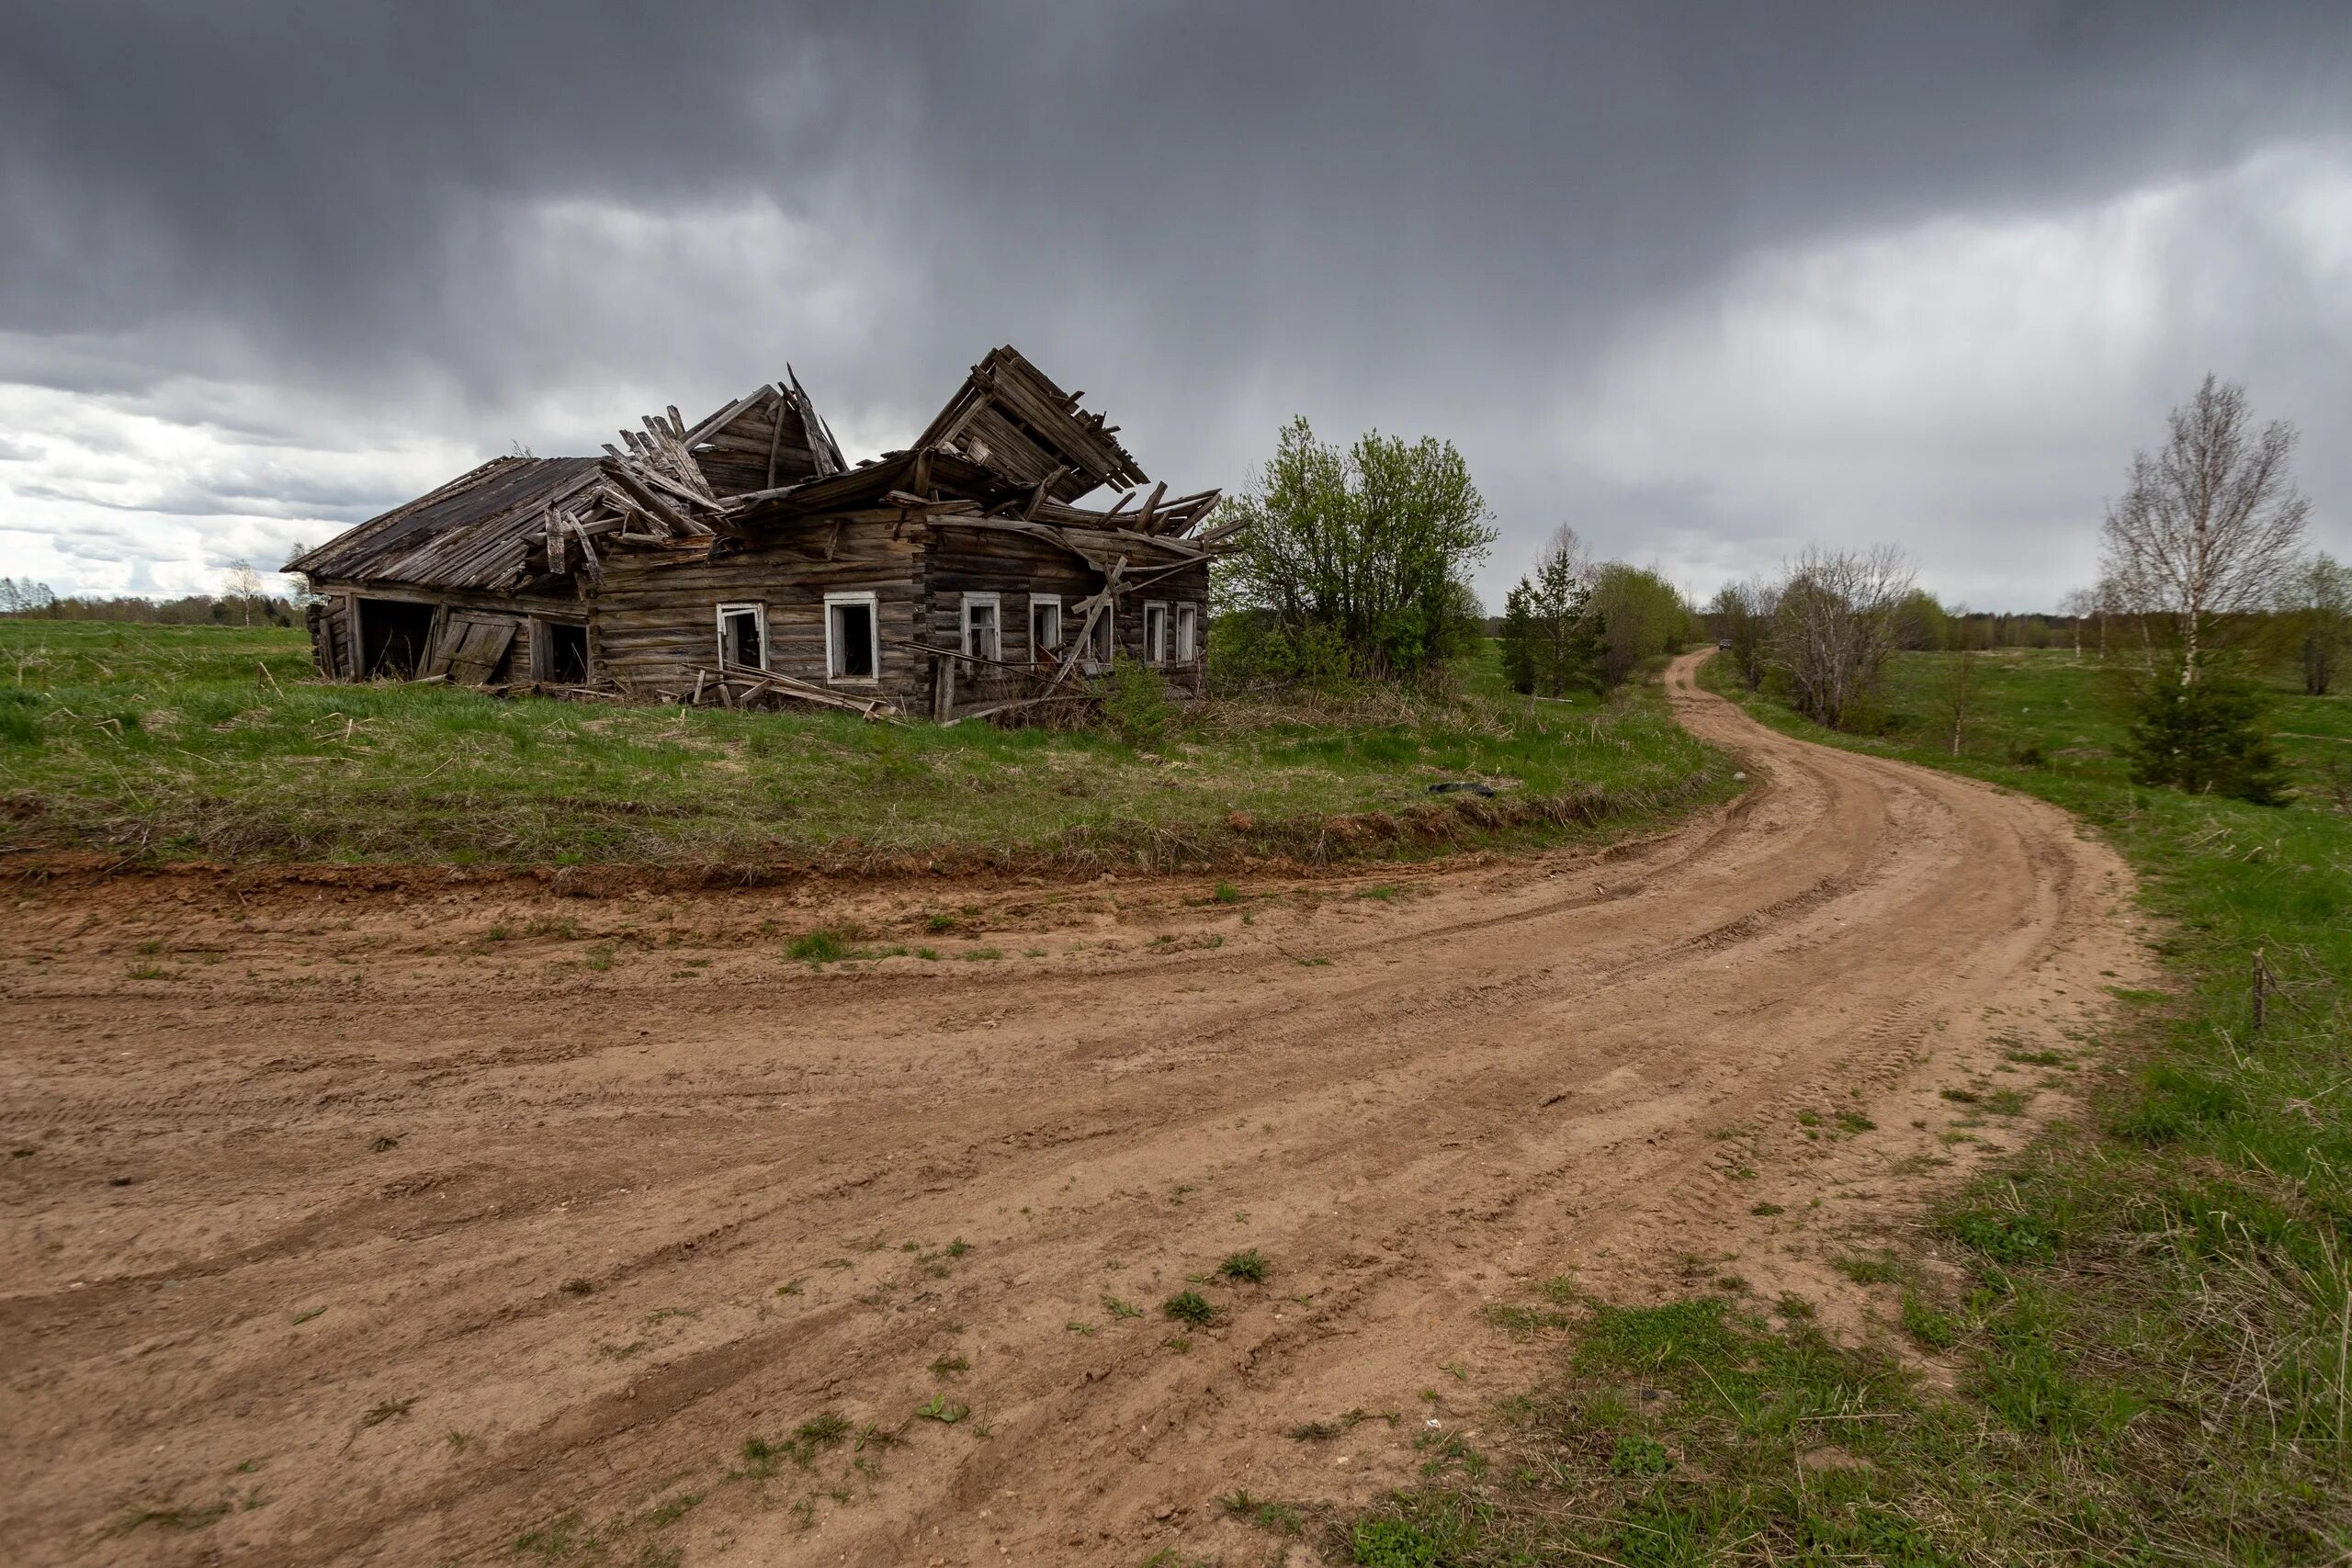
392	635
565	662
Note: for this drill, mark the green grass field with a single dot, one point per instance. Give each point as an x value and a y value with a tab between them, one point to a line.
2155	1322
205	742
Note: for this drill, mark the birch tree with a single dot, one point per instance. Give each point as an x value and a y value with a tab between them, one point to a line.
2208	524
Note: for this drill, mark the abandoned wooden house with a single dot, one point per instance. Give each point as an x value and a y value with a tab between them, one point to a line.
742	561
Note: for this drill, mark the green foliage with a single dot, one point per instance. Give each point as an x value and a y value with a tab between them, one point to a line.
1253	649
1134	702
2207	738
1642	616
1374	546
1922	624
1245	1266
1743	614
2318	617
1188	1307
1552	634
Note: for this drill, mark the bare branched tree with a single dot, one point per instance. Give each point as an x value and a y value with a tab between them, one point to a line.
2210	524
245	586
1836	626
2079	604
1960	689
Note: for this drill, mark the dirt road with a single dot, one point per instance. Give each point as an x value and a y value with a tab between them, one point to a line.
403	1228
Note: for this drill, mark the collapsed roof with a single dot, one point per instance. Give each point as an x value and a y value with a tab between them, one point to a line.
1009	446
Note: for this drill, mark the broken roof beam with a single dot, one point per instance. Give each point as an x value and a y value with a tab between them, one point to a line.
624	474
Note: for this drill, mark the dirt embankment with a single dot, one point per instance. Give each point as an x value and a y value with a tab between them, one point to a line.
355	1228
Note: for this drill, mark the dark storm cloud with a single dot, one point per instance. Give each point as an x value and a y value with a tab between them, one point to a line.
521	221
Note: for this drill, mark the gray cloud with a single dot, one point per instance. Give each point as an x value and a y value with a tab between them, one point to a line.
331	228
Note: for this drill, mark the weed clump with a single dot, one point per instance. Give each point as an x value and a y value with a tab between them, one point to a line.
1188	1307
1246	1267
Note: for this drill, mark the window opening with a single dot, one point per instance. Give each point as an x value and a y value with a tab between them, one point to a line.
1044	625
852	647
982	633
744	635
565	662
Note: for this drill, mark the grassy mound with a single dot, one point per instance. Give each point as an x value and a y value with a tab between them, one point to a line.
214	743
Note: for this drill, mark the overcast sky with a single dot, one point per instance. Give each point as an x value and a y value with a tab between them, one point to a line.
1707	282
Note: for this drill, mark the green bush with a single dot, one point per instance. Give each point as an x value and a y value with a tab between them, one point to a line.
1136	703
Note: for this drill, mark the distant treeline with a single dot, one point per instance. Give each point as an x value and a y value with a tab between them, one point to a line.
35	601
1923	625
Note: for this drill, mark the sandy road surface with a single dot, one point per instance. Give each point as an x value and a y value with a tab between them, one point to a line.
307	1173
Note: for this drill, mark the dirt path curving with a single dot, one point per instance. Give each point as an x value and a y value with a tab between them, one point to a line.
479	1224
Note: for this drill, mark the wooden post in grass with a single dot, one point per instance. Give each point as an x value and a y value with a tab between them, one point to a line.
2261	984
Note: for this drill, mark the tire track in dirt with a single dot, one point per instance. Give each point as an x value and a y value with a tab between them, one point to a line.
1415	1107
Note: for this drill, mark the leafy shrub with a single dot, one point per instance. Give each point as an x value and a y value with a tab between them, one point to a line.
1136	703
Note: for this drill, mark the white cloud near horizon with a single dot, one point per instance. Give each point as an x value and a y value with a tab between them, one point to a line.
1971	386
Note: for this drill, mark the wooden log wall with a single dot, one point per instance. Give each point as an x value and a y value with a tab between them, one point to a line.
653	620
656	617
961	560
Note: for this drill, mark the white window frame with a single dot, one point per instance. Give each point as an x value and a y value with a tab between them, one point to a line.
1037	650
995	602
874	631
1188	634
759	614
1158	613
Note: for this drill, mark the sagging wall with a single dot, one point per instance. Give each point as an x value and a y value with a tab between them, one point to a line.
340	637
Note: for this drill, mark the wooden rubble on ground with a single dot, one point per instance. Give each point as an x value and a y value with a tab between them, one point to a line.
742	560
